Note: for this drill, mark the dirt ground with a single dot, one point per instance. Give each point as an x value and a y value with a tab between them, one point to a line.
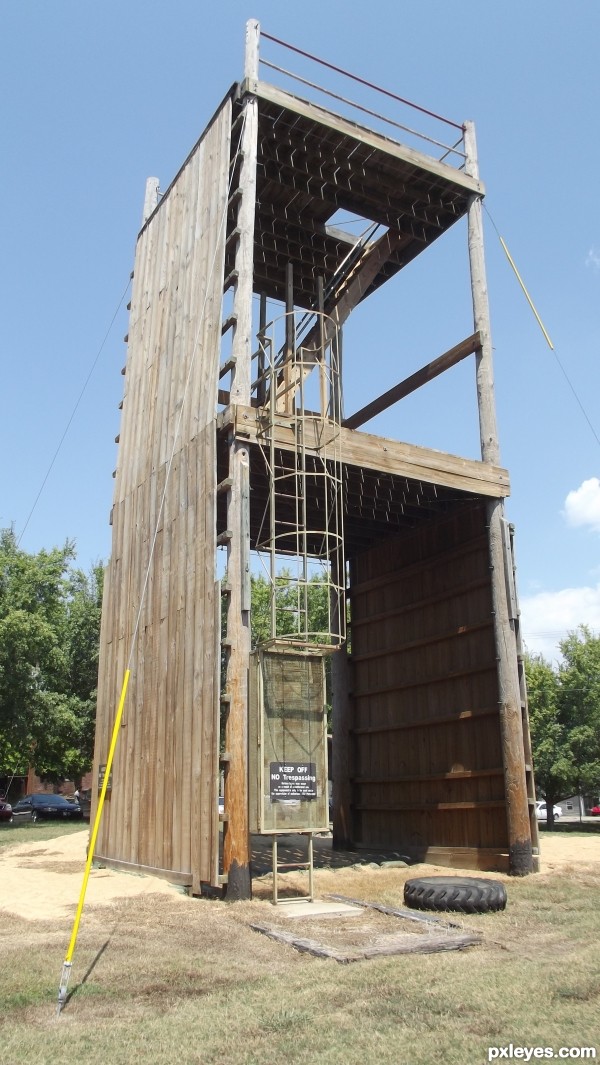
42	881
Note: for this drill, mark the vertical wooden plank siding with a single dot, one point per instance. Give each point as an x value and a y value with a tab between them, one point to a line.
427	775
159	813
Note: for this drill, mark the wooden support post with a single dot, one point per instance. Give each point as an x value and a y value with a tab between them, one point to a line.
236	837
251	50
511	723
236	841
150	198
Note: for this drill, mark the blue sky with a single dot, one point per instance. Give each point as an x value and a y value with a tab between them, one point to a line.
96	98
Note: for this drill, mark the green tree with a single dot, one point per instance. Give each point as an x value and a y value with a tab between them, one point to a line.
552	758
564	711
287	606
579	705
49	634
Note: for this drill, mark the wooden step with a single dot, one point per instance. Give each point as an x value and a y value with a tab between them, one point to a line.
227	366
229	323
230	280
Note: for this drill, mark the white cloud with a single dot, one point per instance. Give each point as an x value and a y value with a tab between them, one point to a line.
593	259
548	617
582	506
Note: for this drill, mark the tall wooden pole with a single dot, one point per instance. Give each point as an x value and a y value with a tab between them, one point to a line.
511	722
150	198
236	838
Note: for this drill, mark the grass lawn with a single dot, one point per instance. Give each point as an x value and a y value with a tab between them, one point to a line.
28	832
174	981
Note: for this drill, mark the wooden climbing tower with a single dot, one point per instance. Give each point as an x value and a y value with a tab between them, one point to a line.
235	441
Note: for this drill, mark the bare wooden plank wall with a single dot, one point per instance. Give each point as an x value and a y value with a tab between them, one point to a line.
161	812
427	757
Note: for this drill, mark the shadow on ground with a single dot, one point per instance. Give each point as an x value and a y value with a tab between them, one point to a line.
293	849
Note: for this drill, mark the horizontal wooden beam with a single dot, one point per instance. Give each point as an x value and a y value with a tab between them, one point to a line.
494	859
416	380
444	719
378	453
427	681
463	774
448	557
425	641
405	915
416	604
399	807
182	878
348	128
399	944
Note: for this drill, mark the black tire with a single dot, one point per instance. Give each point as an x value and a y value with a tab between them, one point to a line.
456	894
34	817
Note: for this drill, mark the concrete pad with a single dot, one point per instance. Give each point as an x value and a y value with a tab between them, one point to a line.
318	908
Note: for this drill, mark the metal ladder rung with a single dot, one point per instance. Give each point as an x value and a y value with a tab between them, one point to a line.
295	865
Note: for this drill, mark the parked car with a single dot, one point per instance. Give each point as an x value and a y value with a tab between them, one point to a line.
34	807
5	810
595	811
542	813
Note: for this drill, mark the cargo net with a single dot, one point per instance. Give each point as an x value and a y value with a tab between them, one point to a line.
300	541
293	689
294	741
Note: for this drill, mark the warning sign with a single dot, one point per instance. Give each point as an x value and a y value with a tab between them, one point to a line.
292	780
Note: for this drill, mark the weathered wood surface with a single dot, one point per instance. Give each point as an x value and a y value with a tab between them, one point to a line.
388	456
346	127
428	770
160	813
236	852
243	337
406	915
236	845
509	693
400	944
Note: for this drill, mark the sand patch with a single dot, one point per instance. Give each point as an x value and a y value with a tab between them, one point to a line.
43	883
559	849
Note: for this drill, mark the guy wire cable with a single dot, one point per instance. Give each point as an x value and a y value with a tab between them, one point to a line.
542	327
68	962
73	413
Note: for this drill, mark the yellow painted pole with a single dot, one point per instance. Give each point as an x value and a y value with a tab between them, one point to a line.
66	970
527	296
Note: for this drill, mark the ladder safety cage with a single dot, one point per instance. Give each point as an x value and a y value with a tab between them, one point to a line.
301	537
